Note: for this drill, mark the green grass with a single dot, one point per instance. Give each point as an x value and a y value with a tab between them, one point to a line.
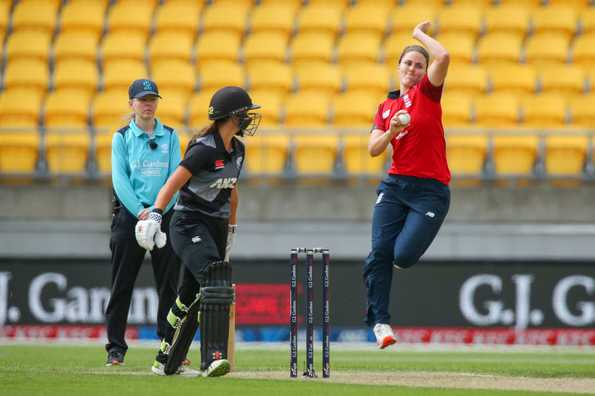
78	370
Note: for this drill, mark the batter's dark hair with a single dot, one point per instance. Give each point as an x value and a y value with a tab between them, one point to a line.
214	127
416	48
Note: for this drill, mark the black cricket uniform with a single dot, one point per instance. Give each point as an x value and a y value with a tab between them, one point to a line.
199	226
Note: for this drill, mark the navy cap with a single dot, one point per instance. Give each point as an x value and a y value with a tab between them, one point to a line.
141	88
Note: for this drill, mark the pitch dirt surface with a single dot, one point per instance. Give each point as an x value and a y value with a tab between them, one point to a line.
441	380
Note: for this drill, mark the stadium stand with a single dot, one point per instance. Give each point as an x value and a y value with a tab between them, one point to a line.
311	64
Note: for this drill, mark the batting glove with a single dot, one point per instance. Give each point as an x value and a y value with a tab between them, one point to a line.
231	232
148	232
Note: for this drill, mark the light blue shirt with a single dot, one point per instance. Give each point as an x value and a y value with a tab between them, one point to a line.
139	172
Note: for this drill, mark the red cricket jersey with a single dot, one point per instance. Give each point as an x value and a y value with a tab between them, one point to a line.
420	149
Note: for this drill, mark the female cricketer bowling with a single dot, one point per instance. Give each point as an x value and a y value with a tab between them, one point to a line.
413	199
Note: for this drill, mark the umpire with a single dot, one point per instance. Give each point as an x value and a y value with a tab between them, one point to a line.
144	154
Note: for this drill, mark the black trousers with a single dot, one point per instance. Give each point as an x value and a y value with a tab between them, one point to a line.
127	258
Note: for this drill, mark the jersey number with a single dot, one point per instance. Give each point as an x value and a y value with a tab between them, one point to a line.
225	182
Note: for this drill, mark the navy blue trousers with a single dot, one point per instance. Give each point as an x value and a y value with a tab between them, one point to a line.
407	216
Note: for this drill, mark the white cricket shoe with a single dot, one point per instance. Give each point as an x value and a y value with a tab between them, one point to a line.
217	368
384	335
184	371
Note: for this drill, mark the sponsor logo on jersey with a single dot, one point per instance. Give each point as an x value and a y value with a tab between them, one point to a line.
385	114
224	182
407	100
401	135
219	164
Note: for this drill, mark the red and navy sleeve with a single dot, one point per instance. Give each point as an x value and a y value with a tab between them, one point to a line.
378	121
429	90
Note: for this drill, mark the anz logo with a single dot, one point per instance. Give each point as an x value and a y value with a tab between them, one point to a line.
224	182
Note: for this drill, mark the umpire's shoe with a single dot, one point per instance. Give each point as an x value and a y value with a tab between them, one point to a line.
115	358
217	368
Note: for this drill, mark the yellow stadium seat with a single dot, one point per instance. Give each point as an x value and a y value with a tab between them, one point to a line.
555	19
466	153
565	155
341	4
19	152
515	155
28	44
4	15
293	3
65	109
34	15
273	18
460	47
172	111
170	45
576	4
315	155
103	153
271	104
388	4
367	18
511	19
26	73
174	78
482	4
83	17
225	17
306	110
527	4
118	74
497	111
373	78
546	48
565	80
464	20
544	111
581	109
319	77
320	18
19	107
469	79
513	78
76	74
358	48
120	45
265	46
354	110
180	17
266	154
312	46
270	76
217	46
499	47
119	17
403	19
356	158
76	45
67	153
110	110
587	20
215	75
456	110
198	109
583	51
395	44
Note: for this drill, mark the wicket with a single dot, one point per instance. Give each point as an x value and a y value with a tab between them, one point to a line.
309	312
